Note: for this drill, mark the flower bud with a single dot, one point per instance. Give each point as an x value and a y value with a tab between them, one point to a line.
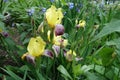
59	29
5	34
56	49
48	53
30	59
70	55
40	28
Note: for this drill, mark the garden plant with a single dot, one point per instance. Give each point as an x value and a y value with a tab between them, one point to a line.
59	40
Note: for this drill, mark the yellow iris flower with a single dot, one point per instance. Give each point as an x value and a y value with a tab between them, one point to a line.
53	16
82	23
70	54
36	46
59	41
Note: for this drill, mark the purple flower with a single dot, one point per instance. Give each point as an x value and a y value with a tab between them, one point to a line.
56	50
31	11
78	9
59	29
51	0
5	34
5	0
43	9
71	5
48	53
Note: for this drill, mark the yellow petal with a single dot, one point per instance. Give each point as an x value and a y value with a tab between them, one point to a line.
71	52
53	16
57	40
36	46
65	42
82	23
24	55
48	34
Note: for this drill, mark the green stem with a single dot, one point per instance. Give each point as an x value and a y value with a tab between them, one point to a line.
1	5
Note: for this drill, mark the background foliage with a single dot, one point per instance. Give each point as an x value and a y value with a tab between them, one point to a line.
97	44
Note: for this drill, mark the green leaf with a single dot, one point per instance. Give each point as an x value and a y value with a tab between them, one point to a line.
2	25
12	74
106	55
115	42
99	69
64	71
11	43
111	27
94	76
77	70
26	41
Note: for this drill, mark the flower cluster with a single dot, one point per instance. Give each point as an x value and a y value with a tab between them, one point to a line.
71	5
31	11
37	46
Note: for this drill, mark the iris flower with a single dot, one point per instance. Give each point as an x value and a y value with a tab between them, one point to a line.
53	16
59	41
82	23
35	47
70	54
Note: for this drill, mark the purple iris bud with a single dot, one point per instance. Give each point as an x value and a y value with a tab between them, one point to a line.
59	29
56	49
43	10
30	59
31	11
48	53
5	34
51	0
71	5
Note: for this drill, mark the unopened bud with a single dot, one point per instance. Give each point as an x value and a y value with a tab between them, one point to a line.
59	29
5	34
56	49
48	53
40	28
30	59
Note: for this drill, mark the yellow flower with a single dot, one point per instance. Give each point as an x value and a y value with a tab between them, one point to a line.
59	41
70	54
53	16
82	23
36	46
